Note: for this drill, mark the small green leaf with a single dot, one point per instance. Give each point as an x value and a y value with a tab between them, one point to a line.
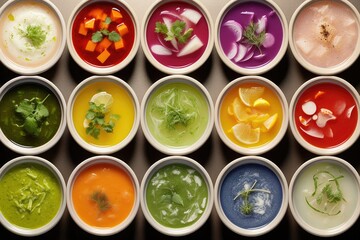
96	37
31	126
105	32
25	108
41	112
114	36
35	34
107	20
176	198
161	28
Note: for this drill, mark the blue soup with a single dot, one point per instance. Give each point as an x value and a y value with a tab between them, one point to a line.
251	195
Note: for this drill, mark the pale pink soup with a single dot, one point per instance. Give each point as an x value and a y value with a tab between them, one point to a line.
326	32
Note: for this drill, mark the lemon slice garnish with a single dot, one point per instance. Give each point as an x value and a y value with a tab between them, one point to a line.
261	103
244	133
249	95
270	122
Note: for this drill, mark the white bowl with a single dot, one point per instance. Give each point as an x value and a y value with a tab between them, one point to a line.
31	60
103	231
233	143
315	62
256	222
172	146
98	68
332	222
230	26
100	148
187	162
298	126
170	63
50	87
27	232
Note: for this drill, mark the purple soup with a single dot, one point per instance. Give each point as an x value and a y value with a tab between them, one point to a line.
251	34
177	34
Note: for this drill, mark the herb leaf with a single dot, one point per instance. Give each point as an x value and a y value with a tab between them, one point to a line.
97	36
101	200
252	37
114	36
35	34
177	31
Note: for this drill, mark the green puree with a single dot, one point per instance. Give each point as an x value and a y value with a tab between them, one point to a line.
176	196
30	195
30	114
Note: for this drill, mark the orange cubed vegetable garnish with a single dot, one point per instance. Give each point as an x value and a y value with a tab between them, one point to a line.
103	56
90	24
96	13
103	25
115	14
90	46
82	29
122	29
119	44
103	44
103	17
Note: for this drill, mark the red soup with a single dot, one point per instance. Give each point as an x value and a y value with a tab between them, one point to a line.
326	115
103	34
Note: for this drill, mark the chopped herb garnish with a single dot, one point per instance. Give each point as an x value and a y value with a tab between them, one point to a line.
177	31
101	200
96	117
99	35
35	34
252	37
33	113
247	207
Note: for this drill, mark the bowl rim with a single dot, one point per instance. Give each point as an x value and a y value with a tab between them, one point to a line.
99	69
54	170
306	85
205	135
70	104
284	126
266	67
311	67
182	70
22	69
20	80
310	229
282	180
183	160
99	231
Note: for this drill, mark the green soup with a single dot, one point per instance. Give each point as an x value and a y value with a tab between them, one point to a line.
30	114
177	114
30	195
177	196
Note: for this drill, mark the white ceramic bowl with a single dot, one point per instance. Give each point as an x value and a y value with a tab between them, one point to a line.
98	68
309	55
263	218
170	63
57	175
188	162
99	148
31	60
251	149
103	231
231	22
310	218
162	145
299	126
50	87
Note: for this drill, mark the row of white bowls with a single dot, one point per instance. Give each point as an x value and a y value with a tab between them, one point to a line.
287	38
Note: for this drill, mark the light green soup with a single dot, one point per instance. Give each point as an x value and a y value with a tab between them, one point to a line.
30	195
177	114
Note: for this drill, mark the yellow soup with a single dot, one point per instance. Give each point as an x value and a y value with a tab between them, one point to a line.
122	107
251	114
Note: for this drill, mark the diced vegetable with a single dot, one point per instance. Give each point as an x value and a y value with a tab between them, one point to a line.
193	45
119	44
96	13
82	29
103	25
90	24
103	16
192	15
104	44
122	29
90	46
103	56
115	15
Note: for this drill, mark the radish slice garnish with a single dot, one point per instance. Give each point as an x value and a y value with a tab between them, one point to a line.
248	55
261	24
309	108
304	121
233	51
236	28
260	56
324	116
168	24
193	45
339	107
192	15
241	53
349	111
161	50
313	133
269	40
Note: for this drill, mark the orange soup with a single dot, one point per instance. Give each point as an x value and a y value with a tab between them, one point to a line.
119	114
103	195
251	114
